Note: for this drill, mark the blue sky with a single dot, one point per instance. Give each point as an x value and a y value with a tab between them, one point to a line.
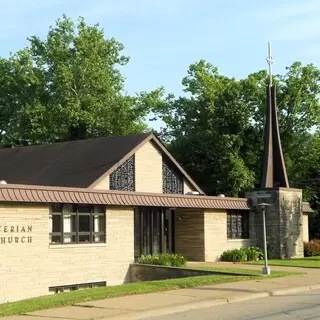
163	37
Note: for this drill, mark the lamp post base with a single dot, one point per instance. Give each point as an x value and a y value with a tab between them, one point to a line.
266	271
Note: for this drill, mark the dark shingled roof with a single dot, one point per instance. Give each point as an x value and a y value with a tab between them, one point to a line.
67	164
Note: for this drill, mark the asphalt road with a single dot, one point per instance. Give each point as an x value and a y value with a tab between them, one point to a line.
302	306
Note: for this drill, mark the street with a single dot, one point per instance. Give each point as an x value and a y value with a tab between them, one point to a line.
302	306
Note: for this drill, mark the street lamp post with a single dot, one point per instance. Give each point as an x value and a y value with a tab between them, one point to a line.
265	270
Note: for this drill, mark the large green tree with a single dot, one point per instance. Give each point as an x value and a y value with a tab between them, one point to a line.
68	86
216	129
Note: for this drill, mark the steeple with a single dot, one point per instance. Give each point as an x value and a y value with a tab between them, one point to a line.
274	172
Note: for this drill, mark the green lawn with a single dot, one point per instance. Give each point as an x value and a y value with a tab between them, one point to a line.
70	298
310	262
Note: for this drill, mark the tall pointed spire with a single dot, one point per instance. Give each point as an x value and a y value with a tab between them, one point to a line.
274	172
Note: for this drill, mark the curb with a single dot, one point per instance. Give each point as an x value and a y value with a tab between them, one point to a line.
281	292
137	315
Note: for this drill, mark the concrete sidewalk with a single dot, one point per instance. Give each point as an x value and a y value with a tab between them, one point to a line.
169	302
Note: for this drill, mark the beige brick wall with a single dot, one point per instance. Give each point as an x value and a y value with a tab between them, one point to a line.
305	227
215	226
189	234
103	183
120	244
187	187
148	163
23	265
29	269
215	230
201	235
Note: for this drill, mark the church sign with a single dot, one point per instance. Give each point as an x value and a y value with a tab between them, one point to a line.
15	234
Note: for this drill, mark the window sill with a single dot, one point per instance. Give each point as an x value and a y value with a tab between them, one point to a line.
76	245
238	240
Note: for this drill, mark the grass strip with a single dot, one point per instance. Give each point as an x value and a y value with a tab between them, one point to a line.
309	262
74	297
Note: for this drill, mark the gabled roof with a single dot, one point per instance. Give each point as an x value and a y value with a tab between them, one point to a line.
156	141
78	163
68	164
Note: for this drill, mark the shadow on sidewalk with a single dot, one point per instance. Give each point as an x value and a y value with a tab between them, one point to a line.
226	289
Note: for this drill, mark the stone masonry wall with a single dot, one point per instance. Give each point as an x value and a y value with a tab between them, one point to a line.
291	222
283	221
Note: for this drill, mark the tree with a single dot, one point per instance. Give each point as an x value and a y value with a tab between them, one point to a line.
66	87
206	130
216	130
298	112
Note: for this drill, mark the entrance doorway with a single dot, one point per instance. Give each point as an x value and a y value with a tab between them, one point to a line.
153	231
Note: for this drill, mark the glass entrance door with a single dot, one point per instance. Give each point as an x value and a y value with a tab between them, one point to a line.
153	231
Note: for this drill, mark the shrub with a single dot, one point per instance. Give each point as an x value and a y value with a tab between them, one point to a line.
165	259
242	255
235	255
311	248
254	254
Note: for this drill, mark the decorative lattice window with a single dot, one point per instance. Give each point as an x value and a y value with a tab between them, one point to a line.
172	180
123	178
238	225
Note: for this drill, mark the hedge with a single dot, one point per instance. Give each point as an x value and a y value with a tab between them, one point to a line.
165	259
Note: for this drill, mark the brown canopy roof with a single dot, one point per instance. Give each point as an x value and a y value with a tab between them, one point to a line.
44	194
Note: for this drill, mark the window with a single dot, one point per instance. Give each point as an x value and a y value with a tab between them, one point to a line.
77	224
172	180
123	178
80	286
238	225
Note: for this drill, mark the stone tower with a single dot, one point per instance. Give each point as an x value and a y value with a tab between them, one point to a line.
284	212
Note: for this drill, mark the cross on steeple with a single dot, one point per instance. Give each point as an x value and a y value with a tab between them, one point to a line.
274	172
270	62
